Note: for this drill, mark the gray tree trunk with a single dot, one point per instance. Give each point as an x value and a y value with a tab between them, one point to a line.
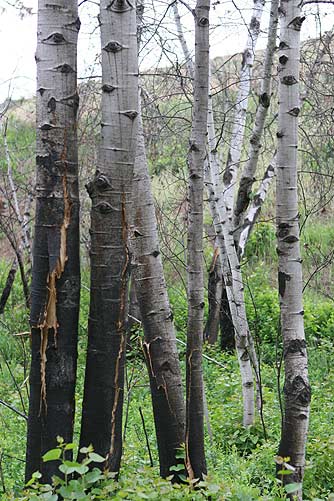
157	318
111	191
56	275
297	393
194	440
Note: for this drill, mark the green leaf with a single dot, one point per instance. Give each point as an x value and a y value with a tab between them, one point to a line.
289	488
93	476
86	450
69	447
177	467
96	457
52	455
284	472
82	469
213	488
67	470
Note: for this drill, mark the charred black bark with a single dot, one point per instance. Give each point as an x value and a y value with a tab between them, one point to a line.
56	271
211	329
8	286
227	341
194	437
110	192
157	319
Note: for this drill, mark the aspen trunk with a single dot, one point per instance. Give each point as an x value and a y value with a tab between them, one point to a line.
239	121
110	192
248	175
56	274
195	455
222	218
256	206
157	319
297	393
215	287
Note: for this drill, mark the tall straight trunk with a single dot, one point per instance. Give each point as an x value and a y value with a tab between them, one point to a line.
56	273
232	292
194	440
157	319
110	192
248	175
297	393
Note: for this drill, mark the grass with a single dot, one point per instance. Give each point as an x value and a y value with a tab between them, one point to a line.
240	462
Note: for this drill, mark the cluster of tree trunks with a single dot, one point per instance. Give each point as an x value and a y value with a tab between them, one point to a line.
124	237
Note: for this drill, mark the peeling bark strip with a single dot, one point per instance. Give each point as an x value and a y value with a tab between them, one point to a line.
110	192
195	455
296	388
56	273
160	341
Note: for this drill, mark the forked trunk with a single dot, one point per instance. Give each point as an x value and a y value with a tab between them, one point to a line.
110	192
297	393
56	274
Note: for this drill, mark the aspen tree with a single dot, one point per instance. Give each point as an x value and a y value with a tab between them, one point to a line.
110	192
195	455
56	274
157	319
297	393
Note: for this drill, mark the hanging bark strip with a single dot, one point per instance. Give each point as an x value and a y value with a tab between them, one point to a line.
195	455
297	393
110	192
56	274
160	342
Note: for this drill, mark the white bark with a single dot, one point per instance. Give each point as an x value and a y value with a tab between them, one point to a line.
239	121
296	387
248	174
229	260
256	206
183	42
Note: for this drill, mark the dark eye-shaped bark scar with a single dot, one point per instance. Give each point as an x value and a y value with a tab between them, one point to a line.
113	46
55	39
102	182
132	114
120	6
104	208
64	68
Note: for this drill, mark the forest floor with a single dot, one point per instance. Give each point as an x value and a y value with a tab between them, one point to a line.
241	463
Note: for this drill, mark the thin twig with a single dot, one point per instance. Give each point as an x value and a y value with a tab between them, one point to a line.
5	404
146	436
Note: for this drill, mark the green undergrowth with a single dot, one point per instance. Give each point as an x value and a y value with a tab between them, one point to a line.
241	463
